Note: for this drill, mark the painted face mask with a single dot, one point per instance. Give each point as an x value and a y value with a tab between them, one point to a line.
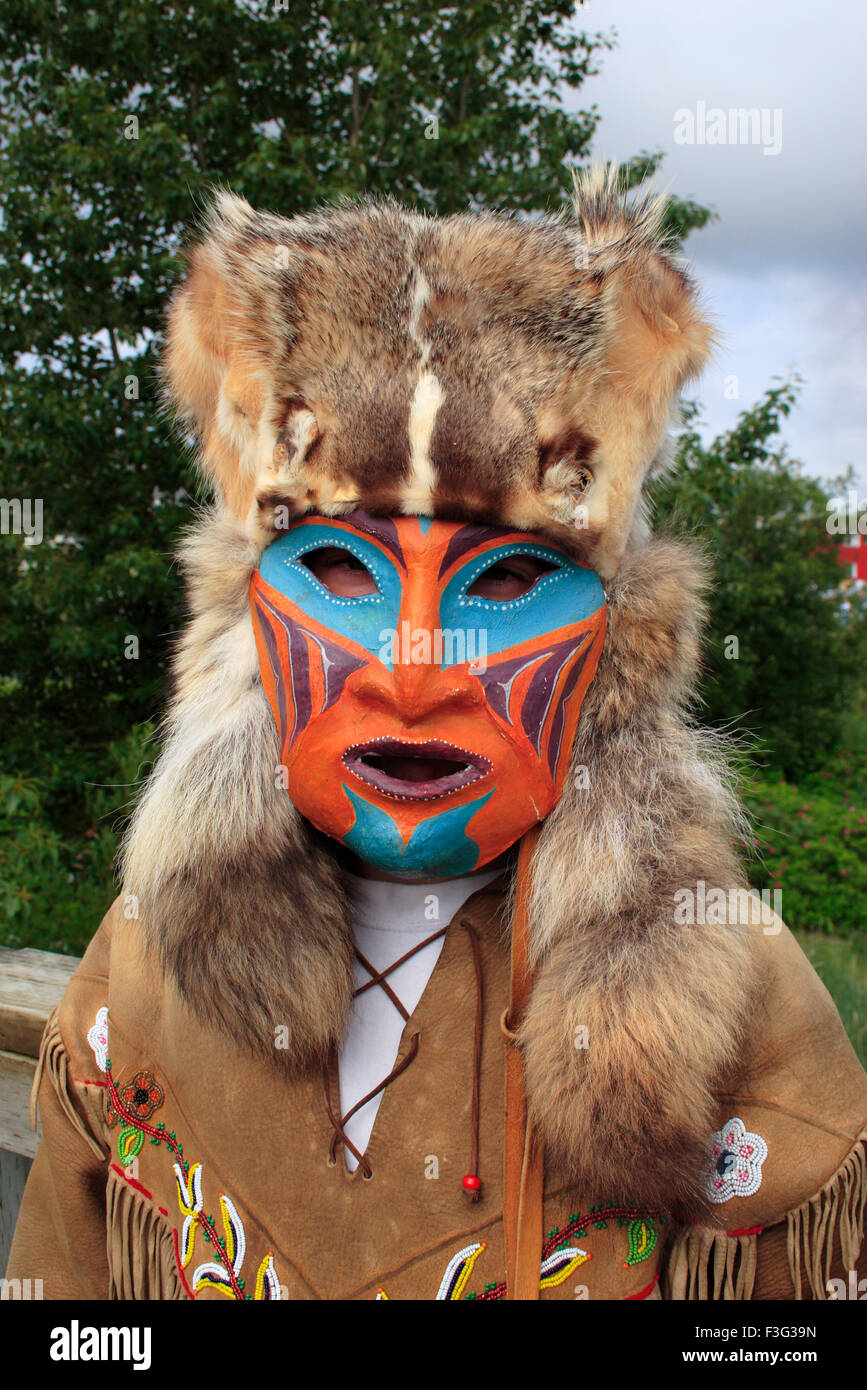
425	720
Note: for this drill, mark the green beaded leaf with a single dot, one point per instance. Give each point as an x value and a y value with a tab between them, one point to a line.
129	1142
643	1236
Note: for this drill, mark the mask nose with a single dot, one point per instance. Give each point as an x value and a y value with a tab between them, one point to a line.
417	685
415	690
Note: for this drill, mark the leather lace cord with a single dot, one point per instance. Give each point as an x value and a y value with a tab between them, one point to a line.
477	1059
377	977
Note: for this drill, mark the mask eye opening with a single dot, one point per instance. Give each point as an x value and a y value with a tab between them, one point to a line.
509	577
339	570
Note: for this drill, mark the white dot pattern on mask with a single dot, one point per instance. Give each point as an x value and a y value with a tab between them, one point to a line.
476	601
404	796
378	597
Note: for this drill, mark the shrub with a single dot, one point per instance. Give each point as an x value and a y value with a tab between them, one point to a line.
55	888
809	841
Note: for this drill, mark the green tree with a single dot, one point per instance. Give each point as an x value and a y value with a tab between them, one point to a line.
117	117
785	651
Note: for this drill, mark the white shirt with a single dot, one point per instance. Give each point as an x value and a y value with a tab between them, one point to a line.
388	919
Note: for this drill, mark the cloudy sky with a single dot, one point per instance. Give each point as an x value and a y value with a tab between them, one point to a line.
783	268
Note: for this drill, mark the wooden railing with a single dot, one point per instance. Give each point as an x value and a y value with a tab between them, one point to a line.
31	983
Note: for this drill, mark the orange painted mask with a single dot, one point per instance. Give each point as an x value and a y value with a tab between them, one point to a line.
423	723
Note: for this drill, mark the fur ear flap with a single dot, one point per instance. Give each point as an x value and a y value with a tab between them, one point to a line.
656	614
662	340
240	899
218	347
661	1007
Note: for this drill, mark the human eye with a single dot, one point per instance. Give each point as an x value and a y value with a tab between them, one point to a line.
509	578
339	571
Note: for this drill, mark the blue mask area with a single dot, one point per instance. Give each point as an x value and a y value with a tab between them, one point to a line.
564	595
438	848
361	619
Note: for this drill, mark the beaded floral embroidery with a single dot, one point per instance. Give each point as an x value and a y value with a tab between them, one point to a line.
97	1037
734	1166
129	1144
559	1261
560	1258
555	1269
222	1274
191	1202
133	1105
458	1271
142	1096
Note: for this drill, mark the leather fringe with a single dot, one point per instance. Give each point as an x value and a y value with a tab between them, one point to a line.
706	1264
141	1253
828	1223
54	1059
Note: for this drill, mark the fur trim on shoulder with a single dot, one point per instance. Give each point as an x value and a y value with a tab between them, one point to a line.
236	891
634	1018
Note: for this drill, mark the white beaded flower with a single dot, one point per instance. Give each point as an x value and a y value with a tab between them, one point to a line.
97	1036
734	1165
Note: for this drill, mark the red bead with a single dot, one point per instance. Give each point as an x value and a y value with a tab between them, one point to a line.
472	1183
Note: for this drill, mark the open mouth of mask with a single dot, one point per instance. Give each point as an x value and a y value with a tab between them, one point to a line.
417	771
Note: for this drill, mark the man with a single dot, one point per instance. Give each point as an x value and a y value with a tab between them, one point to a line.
433	974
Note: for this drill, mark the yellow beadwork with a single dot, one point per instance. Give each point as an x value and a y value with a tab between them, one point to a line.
266	1268
552	1280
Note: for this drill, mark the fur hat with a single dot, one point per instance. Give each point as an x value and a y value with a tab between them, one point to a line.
481	366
